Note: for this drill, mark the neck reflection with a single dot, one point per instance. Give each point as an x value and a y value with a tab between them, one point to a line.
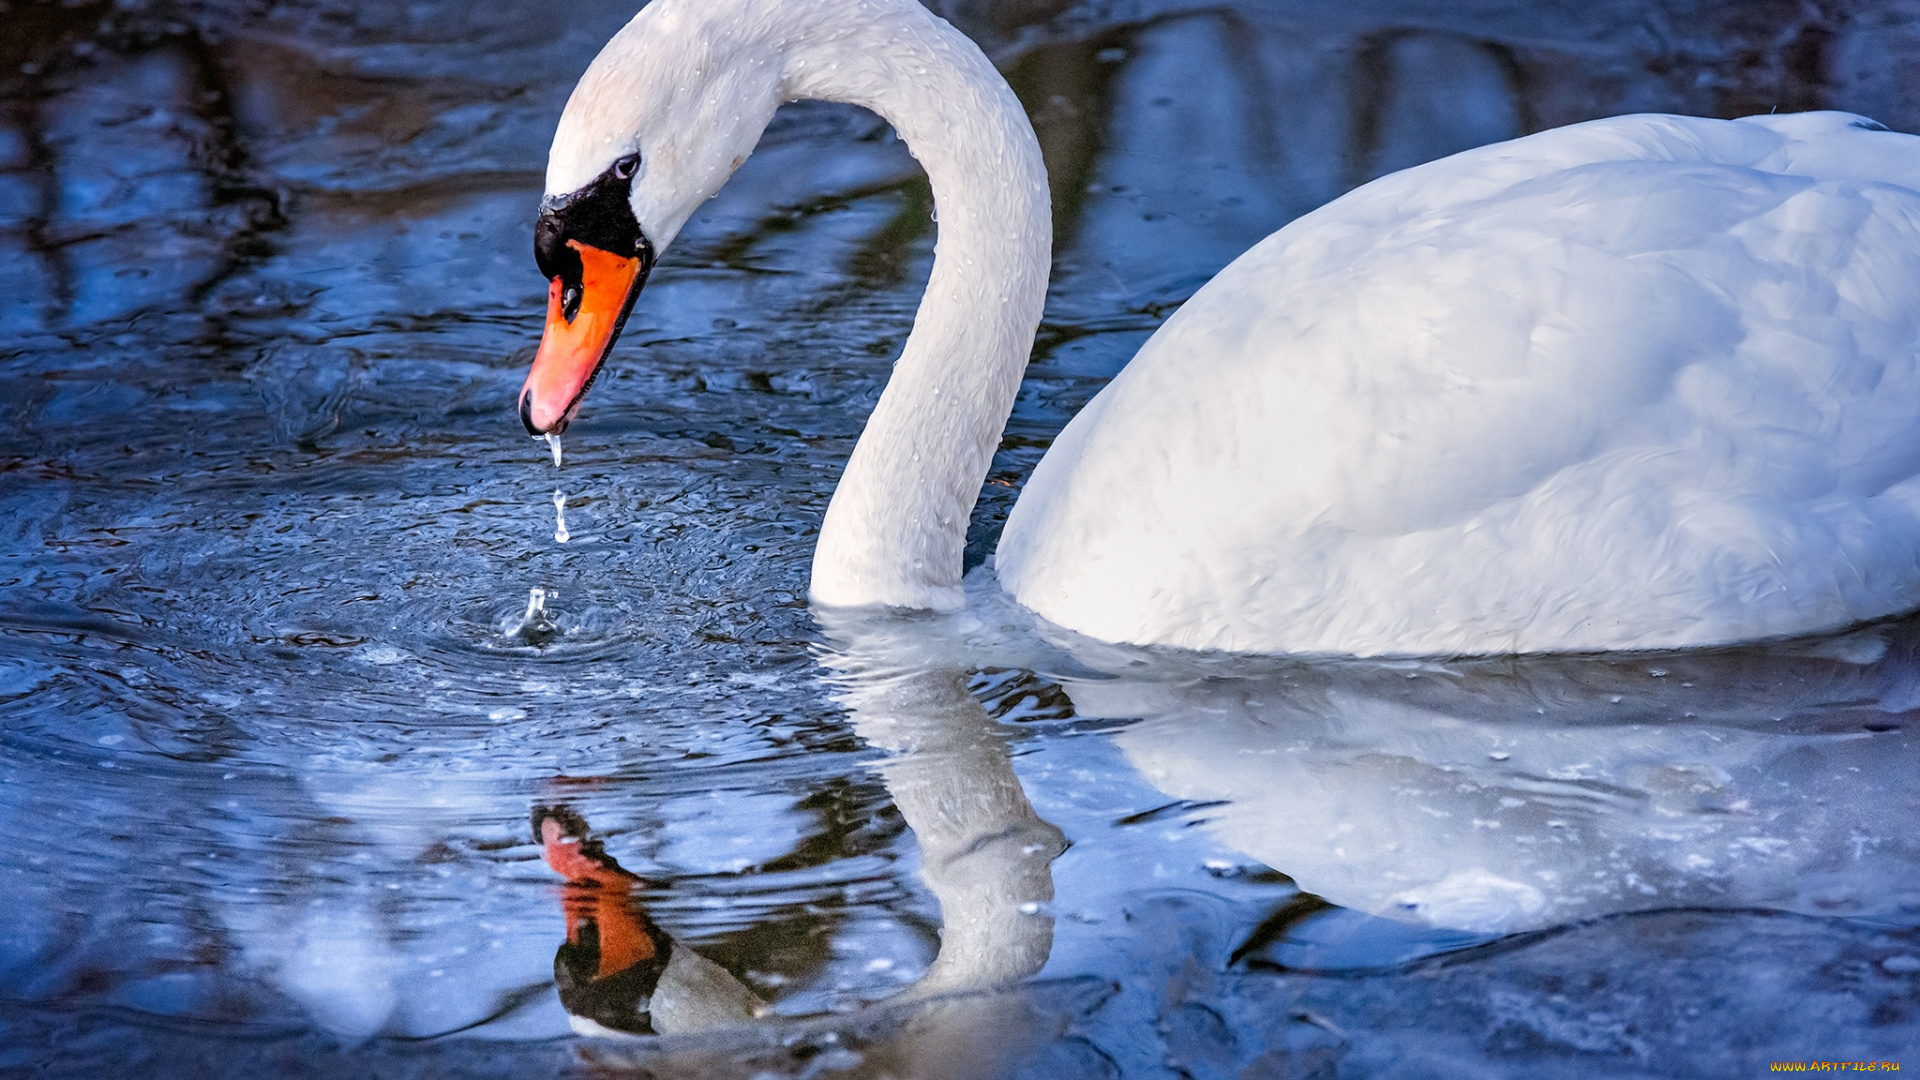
985	856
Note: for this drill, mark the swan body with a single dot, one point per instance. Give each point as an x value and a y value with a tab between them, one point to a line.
1645	382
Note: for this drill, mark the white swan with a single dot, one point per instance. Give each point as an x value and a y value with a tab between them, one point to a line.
1644	382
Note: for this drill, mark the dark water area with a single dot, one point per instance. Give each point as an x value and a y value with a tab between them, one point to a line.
277	733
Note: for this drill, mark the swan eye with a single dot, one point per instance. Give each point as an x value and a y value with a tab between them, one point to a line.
627	166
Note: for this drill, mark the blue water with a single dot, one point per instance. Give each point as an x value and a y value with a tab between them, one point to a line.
276	723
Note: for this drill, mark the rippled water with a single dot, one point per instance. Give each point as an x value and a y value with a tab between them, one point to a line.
279	713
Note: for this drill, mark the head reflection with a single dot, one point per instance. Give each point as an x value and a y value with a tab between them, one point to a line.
610	965
985	855
617	972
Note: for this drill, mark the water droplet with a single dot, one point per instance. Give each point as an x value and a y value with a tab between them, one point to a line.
553	444
560	533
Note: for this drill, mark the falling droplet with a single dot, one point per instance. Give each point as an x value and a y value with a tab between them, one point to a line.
553	444
560	533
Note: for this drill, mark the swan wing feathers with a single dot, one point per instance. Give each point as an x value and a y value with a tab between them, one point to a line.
1644	382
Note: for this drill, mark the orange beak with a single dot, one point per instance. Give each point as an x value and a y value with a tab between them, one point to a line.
582	323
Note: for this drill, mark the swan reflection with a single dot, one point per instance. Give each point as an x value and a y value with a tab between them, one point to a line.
1458	798
1482	797
985	856
1512	795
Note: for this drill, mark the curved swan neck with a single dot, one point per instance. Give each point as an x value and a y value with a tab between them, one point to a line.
895	530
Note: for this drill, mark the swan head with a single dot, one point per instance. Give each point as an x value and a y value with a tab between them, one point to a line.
671	106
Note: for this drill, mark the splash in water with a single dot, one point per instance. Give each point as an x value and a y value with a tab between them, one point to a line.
536	608
553	444
536	626
560	533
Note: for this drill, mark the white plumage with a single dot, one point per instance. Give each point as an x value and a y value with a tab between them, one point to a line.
1642	382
